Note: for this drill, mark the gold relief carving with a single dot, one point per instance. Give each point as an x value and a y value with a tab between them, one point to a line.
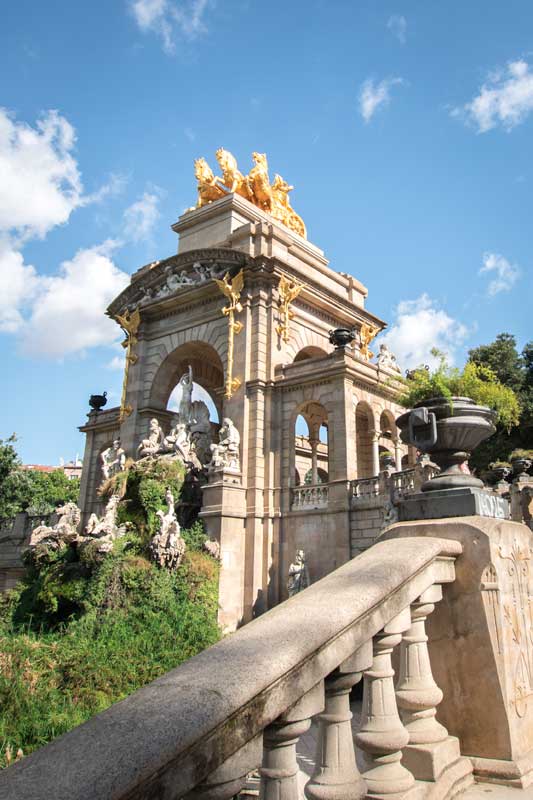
232	290
288	291
255	187
129	322
520	619
366	334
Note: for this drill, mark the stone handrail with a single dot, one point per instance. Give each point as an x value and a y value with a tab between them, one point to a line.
365	487
309	496
201	726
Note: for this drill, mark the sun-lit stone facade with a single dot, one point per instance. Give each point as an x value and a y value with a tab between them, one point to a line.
308	414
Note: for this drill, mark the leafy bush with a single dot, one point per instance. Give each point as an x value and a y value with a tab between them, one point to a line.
521	453
475	381
75	638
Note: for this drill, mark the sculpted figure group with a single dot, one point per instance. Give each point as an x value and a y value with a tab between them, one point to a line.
254	187
190	437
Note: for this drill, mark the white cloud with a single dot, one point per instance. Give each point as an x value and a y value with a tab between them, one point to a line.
419	327
372	96
19	284
141	216
505	273
397	24
165	17
116	363
505	99
68	310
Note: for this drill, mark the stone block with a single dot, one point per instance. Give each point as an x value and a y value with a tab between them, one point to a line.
462	502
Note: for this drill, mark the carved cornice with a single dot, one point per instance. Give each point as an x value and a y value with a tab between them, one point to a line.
152	278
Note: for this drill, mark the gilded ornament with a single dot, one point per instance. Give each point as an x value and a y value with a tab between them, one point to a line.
288	291
232	290
129	322
366	334
254	187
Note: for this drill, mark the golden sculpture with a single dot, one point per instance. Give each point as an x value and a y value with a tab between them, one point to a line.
255	187
232	290
288	291
129	323
366	334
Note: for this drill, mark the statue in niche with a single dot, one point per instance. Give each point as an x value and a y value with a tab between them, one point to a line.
386	359
225	454
112	460
167	547
152	445
298	574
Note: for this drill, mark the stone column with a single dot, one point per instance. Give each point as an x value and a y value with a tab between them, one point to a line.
224	514
279	772
314	442
382	734
336	776
398	454
375	452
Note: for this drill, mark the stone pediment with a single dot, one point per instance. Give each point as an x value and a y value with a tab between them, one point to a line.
171	276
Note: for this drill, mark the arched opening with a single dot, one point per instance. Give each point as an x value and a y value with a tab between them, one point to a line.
309	352
311	445
207	374
387	434
364	431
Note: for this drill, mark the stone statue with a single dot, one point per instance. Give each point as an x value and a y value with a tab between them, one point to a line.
151	446
62	533
201	431
386	359
167	548
225	454
298	574
178	441
186	384
112	460
103	530
212	547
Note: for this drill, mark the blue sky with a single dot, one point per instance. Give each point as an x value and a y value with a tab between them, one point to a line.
405	127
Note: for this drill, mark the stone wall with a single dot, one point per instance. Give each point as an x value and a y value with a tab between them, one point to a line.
14	537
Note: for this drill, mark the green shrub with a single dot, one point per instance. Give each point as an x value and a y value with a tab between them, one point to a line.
475	381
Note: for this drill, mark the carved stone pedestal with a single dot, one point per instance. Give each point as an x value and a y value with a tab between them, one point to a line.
480	644
224	513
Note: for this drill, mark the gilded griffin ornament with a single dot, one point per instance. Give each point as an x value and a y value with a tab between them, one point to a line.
232	290
129	322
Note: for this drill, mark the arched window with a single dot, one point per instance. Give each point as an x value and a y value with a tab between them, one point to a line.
311	444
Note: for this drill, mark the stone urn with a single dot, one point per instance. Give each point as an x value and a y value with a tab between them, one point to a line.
500	474
387	461
520	467
449	432
341	337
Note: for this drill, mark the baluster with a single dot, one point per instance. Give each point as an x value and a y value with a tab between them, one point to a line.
431	752
417	693
228	779
279	772
336	776
382	734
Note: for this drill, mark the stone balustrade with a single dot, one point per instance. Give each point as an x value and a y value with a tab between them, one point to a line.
365	487
309	496
243	703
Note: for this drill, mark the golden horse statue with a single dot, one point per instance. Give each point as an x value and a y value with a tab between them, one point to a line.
208	188
232	179
254	187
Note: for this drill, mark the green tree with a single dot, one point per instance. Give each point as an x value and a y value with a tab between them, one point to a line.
13	480
47	490
515	370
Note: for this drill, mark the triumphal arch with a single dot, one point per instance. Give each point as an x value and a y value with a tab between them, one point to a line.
250	313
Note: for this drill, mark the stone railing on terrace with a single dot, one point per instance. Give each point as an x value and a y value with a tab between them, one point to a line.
200	729
308	497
